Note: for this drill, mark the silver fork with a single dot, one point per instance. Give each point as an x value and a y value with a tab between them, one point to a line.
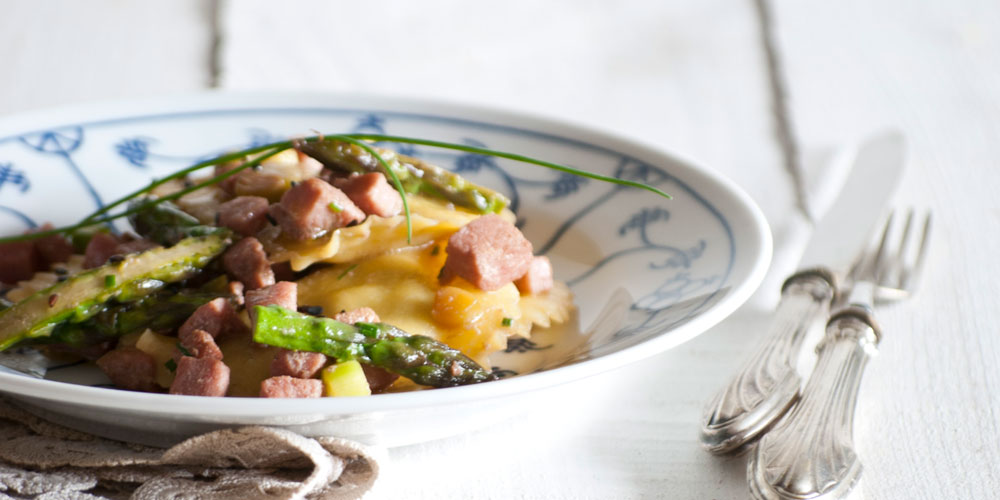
810	453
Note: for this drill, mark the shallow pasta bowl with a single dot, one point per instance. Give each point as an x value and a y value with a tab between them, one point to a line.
647	273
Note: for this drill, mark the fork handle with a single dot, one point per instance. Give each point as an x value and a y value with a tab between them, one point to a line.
810	453
768	384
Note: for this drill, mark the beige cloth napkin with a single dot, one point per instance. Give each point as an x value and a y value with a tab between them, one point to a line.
43	461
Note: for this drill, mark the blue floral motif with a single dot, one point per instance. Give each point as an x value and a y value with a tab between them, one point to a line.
565	185
14	177
521	344
63	143
260	137
371	123
642	219
134	150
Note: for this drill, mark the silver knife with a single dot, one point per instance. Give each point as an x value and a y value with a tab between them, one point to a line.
769	383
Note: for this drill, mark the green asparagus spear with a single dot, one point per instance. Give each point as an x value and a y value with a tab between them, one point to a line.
86	294
161	311
415	175
167	224
419	358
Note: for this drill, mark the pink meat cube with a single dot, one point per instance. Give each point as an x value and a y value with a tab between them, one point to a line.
198	343
312	208
372	193
129	368
247	262
216	318
291	387
100	248
361	314
538	279
53	249
488	252
244	214
282	293
299	364
200	377
18	261
379	379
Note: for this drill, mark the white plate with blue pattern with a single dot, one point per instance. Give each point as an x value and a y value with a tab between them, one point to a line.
647	273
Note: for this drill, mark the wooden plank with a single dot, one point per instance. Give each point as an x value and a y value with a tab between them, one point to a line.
687	76
65	51
927	419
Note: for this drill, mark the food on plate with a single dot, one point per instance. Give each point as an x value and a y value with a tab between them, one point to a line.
307	268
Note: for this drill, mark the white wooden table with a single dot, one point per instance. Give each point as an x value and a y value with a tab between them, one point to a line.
689	76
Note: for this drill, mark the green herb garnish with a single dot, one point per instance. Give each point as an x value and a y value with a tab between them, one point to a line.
349	269
506	321
334	207
109	281
183	350
171	365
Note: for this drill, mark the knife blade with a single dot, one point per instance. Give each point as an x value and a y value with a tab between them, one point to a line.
769	383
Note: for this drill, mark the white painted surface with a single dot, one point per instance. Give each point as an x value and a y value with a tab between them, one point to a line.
688	76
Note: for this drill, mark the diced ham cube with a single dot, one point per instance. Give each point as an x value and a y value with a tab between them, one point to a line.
229	183
361	314
53	249
129	368
244	214
372	193
236	292
247	262
18	261
100	248
282	293
538	279
312	208
291	387
299	364
200	377
488	252
283	271
198	343
379	379
216	318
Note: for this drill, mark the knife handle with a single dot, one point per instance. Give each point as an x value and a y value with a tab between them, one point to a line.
810	453
768	384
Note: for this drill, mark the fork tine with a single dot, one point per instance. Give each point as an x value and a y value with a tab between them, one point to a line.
878	262
914	271
896	270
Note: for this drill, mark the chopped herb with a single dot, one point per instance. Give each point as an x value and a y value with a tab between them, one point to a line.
349	269
184	350
335	208
367	329
171	365
436	250
506	321
110	280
